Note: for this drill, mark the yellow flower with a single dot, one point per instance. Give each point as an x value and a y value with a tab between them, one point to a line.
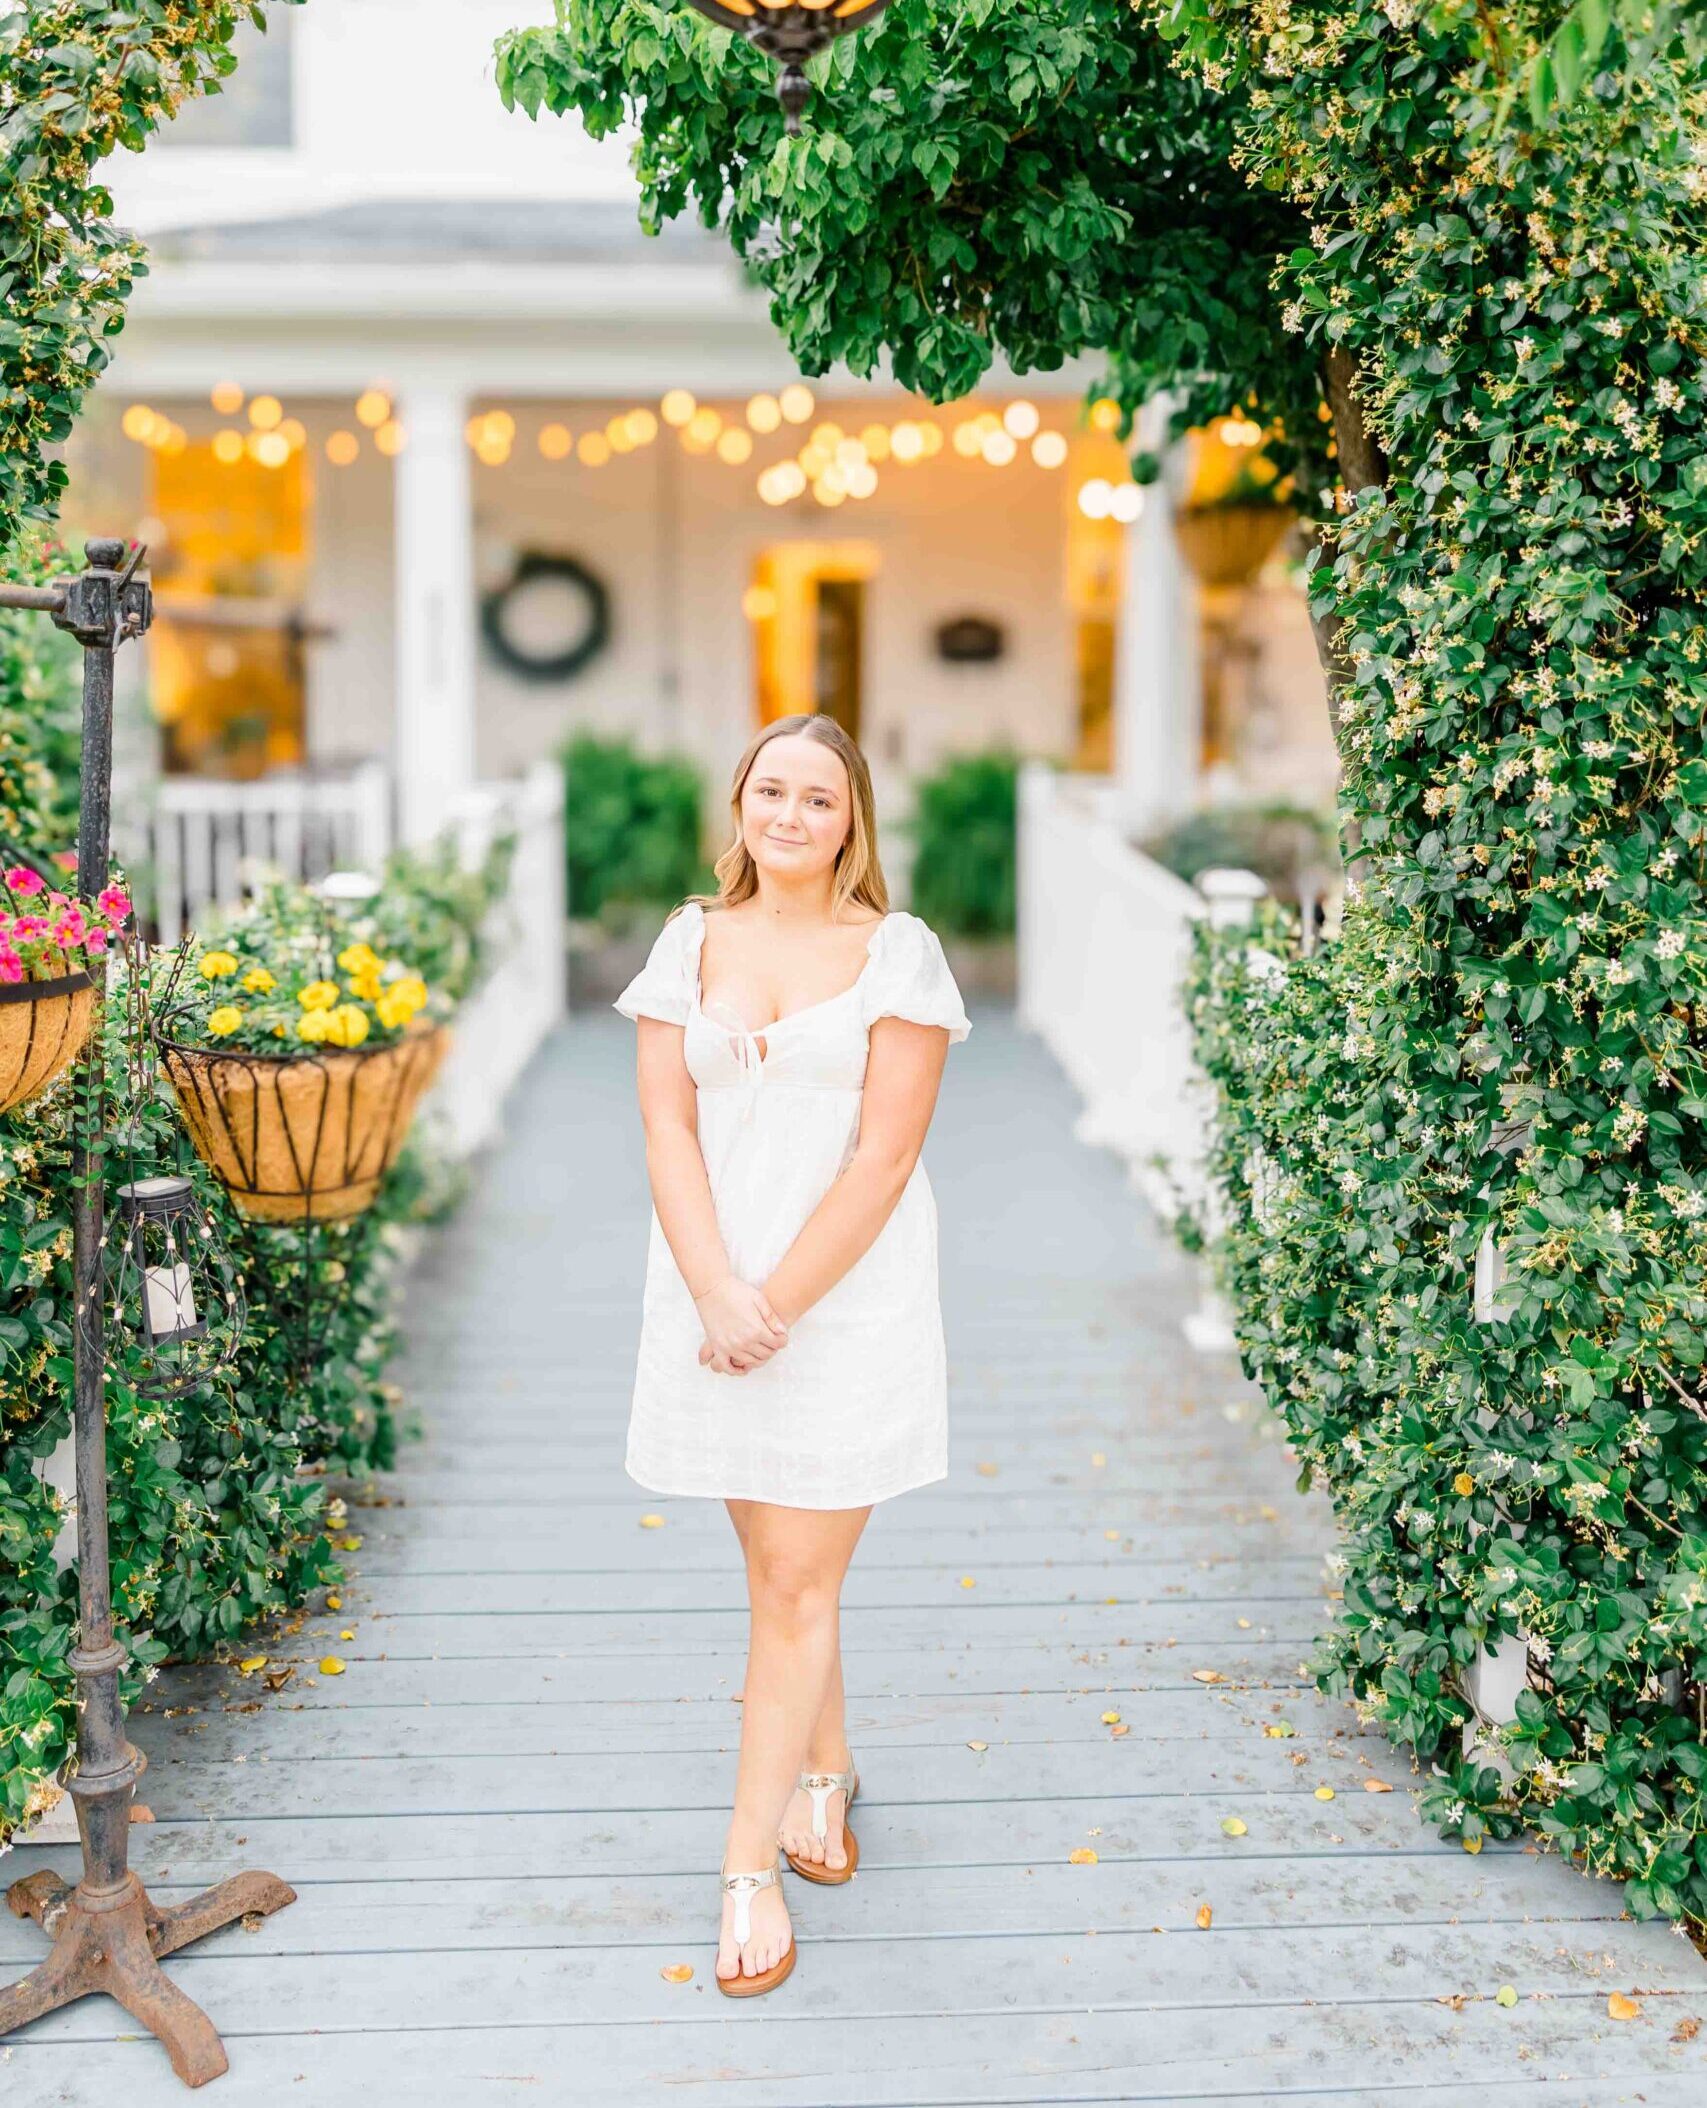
366	984
318	995
258	981
411	989
1464	1484
392	1013
217	964
347	1026
314	1025
359	958
223	1020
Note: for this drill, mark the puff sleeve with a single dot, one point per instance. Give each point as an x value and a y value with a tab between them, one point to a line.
910	978
664	986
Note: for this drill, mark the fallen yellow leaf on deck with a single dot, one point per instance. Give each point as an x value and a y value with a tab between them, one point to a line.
677	1973
251	1662
1207	1676
987	1471
966	1581
1111	1599
1081	1855
1472	1845
352	1544
1376	1786
331	1666
1108	1719
1244	1624
1204	1917
651	1522
1111	1535
1324	1793
1618	2007
1232	1826
346	1635
1279	1730
334	1602
1122	1729
1506	1995
1098	1459
977	1745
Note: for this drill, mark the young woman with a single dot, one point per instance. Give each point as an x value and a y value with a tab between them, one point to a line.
792	1038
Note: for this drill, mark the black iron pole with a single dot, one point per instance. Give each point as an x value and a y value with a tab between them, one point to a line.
107	1934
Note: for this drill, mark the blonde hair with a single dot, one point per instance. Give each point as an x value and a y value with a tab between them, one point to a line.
859	872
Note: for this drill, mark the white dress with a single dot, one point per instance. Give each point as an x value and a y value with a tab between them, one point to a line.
854	1407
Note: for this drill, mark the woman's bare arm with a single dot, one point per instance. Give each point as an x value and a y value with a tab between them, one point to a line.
737	1315
902	1076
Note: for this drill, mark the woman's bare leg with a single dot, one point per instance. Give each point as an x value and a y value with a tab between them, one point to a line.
826	1751
796	1558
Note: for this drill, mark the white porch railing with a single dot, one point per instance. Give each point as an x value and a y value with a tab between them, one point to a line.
1104	939
1104	935
202	830
525	991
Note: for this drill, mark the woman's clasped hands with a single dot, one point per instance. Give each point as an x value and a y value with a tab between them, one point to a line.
741	1328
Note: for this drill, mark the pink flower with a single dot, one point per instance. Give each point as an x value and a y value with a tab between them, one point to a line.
66	859
96	941
11	966
22	880
70	929
28	929
113	902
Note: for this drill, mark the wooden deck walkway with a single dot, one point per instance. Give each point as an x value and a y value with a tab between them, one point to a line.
504	1820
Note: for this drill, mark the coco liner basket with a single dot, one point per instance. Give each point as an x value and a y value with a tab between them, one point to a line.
43	1025
303	1137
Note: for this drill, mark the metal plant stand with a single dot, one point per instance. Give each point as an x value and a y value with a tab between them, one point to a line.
107	1935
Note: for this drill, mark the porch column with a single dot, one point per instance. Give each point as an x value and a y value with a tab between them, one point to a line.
434	596
1158	701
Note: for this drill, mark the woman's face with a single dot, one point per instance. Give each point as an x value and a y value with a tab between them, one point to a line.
796	807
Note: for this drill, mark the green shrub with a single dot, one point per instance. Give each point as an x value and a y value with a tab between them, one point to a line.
631	825
965	829
1281	842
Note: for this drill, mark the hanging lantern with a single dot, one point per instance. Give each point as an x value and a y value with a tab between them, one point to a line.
790	32
174	1288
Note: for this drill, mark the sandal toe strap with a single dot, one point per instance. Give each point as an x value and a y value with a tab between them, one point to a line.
820	1785
743	1887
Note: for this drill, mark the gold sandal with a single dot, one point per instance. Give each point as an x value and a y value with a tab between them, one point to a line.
743	1887
820	1785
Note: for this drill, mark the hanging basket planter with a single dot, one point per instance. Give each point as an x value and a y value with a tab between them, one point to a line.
43	1025
303	1137
1227	545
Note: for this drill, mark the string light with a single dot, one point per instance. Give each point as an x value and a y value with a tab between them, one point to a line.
226	397
734	446
1105	414
677	407
642	427
592	449
1021	419
373	408
555	442
764	413
1239	431
1049	449
796	402
907	442
1125	503
390	437
228	447
342	448
1095	498
265	412
999	448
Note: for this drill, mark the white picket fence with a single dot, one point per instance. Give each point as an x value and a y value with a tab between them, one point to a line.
204	833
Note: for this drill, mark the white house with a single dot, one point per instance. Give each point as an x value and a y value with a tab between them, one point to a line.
398	344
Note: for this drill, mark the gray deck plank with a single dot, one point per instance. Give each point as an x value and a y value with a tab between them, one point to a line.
503	1818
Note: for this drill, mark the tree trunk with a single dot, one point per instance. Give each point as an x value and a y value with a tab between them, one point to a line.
1362	465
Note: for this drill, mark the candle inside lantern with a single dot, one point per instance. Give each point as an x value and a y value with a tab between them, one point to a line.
169	1301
